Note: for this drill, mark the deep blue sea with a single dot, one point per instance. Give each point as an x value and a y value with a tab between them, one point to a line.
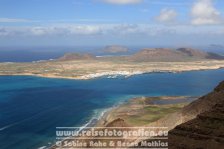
32	107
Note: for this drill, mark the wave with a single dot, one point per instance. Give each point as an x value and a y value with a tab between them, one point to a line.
98	114
21	121
5	127
42	147
10	125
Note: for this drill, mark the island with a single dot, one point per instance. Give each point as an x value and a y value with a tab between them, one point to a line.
87	66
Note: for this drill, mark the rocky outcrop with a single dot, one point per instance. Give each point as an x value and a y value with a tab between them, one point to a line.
206	131
204	103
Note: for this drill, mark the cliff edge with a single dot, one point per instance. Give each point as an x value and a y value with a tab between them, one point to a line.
206	131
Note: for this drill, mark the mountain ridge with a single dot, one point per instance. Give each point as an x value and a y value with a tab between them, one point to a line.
149	55
180	54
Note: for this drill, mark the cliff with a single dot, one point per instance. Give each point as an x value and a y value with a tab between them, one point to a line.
206	131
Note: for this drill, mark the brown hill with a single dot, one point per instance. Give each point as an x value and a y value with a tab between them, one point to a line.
207	129
157	54
170	55
115	49
193	52
200	54
76	56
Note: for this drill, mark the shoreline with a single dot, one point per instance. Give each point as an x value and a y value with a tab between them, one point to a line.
129	103
91	69
112	113
103	113
112	74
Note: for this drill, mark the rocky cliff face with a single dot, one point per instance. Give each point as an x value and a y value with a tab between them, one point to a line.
204	103
206	131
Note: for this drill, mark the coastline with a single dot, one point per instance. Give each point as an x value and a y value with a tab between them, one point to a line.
108	114
137	106
111	120
110	110
91	69
112	75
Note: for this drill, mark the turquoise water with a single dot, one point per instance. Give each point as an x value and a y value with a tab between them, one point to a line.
32	107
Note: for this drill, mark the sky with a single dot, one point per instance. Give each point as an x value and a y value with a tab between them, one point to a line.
108	22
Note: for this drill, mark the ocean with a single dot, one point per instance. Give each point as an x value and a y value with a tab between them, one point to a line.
30	54
32	107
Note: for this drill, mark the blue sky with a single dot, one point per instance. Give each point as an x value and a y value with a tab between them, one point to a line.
106	22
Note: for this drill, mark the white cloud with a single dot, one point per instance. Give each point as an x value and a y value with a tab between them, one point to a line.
65	30
204	13
125	29
109	30
123	2
13	20
167	3
82	30
85	29
55	30
167	16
